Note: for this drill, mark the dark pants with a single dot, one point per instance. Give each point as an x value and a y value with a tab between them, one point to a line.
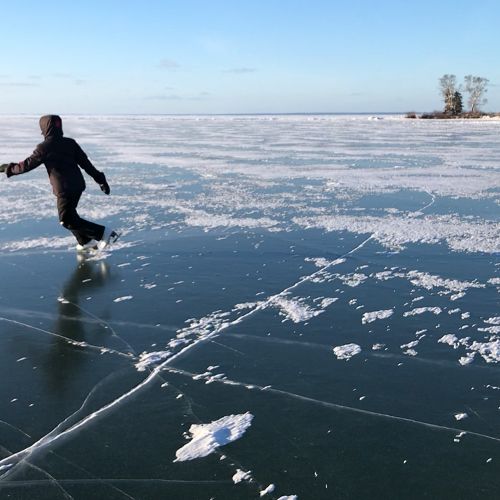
83	230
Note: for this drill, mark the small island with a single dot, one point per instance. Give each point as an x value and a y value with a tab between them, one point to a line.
474	86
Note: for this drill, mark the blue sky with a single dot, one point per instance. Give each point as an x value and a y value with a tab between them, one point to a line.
242	56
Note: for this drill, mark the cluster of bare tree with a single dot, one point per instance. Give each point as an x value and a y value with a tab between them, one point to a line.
474	86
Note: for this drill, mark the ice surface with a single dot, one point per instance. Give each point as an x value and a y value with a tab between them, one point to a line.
251	246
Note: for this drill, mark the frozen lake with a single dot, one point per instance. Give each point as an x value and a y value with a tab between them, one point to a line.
298	306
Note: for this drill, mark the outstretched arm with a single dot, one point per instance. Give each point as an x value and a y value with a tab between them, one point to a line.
35	160
86	164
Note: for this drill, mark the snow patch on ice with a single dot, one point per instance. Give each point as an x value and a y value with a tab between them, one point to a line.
468	359
328	302
31	243
370	317
241	475
493	321
490	329
295	309
322	262
490	351
346	351
125	297
449	339
422	310
354	279
206	438
431	281
395	232
410	352
201	218
245	305
408	348
146	359
267	490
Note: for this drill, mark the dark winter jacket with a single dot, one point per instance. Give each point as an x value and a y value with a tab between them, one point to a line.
62	157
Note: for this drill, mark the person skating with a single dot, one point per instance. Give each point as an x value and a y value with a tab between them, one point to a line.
63	158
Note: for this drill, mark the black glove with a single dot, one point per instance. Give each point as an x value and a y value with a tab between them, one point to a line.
7	167
105	187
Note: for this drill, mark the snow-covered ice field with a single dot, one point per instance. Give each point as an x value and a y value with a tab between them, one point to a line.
299	307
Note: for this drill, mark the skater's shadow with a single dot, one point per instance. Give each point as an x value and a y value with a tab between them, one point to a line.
75	322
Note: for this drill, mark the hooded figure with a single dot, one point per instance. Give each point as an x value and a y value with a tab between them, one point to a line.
63	159
51	125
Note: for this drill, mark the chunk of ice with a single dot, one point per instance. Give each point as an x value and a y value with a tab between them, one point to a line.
125	297
369	317
421	310
267	490
241	475
206	438
346	351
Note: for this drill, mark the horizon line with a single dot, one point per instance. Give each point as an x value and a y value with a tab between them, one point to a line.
223	114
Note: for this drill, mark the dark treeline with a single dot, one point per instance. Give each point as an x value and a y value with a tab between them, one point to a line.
474	87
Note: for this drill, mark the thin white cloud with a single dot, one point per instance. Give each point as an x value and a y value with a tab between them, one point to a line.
19	84
176	97
169	64
164	97
200	97
240	71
